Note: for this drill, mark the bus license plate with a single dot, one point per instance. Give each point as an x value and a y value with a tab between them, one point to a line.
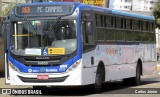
42	77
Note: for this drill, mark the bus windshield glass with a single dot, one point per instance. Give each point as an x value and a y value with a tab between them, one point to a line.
44	37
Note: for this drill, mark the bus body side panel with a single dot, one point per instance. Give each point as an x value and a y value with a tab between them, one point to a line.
117	62
149	58
89	70
112	71
120	61
118	72
149	68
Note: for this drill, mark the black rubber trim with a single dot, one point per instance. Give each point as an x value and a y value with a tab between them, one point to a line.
35	80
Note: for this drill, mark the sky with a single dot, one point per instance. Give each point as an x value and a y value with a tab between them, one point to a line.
111	3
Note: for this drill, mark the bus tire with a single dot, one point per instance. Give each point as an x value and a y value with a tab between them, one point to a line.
99	79
134	80
137	78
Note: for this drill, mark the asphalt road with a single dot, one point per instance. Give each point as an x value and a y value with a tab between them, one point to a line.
111	89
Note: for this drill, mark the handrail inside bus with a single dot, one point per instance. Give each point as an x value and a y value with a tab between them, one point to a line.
23	35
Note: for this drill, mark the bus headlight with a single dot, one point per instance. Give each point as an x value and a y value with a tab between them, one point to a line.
13	67
75	65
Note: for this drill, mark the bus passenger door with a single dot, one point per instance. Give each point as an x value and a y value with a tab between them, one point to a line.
87	38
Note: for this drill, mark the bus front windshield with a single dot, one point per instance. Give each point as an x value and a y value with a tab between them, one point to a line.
43	37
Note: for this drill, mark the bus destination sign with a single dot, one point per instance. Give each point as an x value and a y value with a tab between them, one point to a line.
44	10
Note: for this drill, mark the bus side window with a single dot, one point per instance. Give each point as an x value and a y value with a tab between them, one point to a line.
87	38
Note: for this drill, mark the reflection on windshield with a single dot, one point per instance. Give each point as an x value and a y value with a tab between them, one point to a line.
44	39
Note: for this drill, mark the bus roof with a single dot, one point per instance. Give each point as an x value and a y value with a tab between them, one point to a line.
96	8
118	12
123	13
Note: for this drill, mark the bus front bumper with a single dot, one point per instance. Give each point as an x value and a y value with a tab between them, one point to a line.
72	78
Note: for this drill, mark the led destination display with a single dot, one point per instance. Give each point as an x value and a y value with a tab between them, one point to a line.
44	10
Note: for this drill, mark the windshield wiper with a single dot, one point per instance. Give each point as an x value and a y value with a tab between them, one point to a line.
50	28
30	25
53	24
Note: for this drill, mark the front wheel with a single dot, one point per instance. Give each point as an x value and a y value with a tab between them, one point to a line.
137	78
98	80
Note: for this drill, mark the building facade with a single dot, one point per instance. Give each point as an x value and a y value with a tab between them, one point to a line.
134	5
143	5
122	4
101	3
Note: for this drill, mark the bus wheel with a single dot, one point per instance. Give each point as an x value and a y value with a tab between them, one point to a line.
98	80
134	80
137	78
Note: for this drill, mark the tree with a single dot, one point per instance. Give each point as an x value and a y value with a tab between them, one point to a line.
3	15
0	7
156	13
7	10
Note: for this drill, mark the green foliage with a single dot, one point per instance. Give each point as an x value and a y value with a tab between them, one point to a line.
156	13
7	10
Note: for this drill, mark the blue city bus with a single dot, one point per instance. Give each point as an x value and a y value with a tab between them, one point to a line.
73	44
